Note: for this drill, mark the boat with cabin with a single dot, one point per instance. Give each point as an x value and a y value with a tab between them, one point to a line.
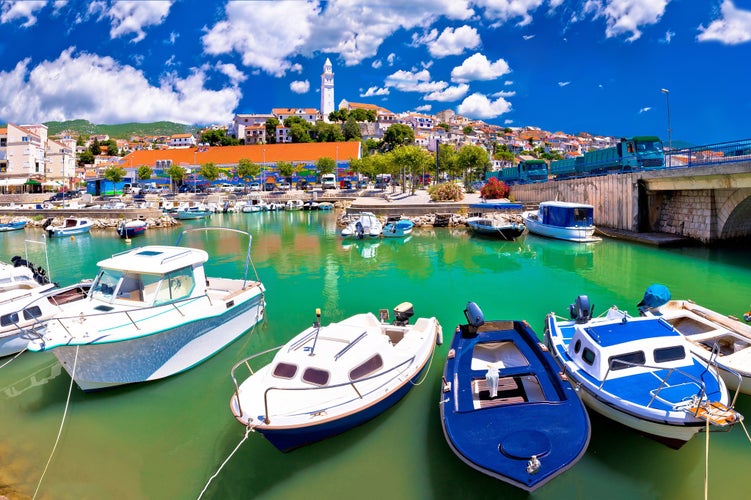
494	226
640	372
152	312
328	379
563	221
131	228
506	410
70	226
397	228
364	225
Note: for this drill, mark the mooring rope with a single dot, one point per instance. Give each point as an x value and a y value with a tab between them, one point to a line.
62	422
427	370
706	463
11	359
248	429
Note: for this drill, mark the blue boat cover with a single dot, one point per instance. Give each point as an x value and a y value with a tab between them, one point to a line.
655	296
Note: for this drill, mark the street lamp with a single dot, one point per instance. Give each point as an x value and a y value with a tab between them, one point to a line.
667	100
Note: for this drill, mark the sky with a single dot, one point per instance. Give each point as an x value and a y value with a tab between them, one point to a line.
596	66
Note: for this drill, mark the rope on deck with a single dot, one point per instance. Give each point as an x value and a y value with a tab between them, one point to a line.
62	422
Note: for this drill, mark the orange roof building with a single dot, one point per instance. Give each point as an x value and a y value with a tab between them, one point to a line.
230	156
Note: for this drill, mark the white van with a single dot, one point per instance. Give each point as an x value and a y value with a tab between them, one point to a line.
328	181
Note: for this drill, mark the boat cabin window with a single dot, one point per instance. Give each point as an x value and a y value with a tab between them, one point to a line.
628	360
588	356
9	319
577	346
175	285
105	284
130	288
370	366
32	312
673	353
315	376
285	370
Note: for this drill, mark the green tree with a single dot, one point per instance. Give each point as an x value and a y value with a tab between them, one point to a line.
444	126
363	115
413	161
111	147
95	149
86	158
447	160
467	130
271	124
339	115
370	146
176	173
286	169
114	173
143	173
327	132
325	165
398	135
351	129
472	160
210	172
246	170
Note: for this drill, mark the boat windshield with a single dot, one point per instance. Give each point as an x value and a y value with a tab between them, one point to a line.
113	284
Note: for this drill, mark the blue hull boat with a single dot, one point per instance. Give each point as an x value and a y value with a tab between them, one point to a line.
505	408
12	226
398	228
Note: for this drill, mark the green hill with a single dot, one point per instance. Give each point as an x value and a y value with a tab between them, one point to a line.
120	131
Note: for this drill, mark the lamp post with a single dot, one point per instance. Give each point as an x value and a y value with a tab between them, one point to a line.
667	101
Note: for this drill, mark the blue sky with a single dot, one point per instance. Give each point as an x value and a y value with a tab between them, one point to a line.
574	66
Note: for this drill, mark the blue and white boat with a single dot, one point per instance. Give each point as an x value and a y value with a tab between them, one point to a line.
505	408
364	225
194	212
131	228
563	221
496	227
398	228
328	379
152	312
639	371
12	225
69	227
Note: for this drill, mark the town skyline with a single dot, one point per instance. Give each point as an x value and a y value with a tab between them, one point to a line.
558	65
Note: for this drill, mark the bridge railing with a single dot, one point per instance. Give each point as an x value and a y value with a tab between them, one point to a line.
711	154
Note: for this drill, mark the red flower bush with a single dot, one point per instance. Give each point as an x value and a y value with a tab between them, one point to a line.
494	189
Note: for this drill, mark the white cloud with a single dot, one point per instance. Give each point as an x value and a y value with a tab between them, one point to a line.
479	106
300	87
644	110
453	93
419	81
296	68
232	72
734	27
504	93
477	67
563	84
424	108
528	37
131	17
626	16
11	11
376	64
505	10
453	42
669	34
374	91
75	85
391	58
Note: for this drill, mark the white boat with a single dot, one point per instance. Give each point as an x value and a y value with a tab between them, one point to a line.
639	371
563	221
328	379
151	313
496	227
70	226
24	309
725	340
294	205
12	225
366	225
131	228
194	212
253	208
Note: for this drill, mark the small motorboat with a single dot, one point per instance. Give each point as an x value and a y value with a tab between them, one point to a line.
151	313
366	225
328	379
496	227
12	225
69	227
563	221
713	337
194	212
640	372
398	228
131	228
294	205
506	410
325	205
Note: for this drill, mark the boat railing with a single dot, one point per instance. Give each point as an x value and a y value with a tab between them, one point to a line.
246	362
248	260
713	361
701	393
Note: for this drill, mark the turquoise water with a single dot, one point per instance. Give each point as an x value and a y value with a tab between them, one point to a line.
165	439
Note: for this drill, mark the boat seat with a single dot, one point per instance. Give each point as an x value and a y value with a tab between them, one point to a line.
504	384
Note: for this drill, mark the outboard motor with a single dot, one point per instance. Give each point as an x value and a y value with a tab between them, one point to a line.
47	222
475	319
581	311
402	313
359	231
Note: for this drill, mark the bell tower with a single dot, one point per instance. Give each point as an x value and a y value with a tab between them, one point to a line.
327	90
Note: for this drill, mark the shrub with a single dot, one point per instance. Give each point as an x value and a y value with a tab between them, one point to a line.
494	189
447	191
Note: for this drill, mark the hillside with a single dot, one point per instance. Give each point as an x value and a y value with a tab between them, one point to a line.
120	131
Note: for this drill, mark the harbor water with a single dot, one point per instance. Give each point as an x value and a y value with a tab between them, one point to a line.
166	439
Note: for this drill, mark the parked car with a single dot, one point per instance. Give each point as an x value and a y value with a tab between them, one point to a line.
362	184
254	186
284	186
64	195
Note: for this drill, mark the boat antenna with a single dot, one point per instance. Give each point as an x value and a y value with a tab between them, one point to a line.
317	326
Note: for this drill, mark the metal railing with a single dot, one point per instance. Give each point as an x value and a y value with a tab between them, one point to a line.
710	154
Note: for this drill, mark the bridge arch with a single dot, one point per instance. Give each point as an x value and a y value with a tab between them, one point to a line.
734	215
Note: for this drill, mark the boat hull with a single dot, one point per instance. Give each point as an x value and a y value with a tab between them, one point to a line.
576	234
131	231
161	354
504	232
12	226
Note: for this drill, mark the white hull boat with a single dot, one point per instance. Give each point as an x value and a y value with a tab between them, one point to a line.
151	313
328	379
366	225
563	221
70	226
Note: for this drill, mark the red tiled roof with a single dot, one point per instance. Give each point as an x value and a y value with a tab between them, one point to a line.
231	155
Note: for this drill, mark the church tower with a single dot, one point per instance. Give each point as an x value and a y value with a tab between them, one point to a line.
327	90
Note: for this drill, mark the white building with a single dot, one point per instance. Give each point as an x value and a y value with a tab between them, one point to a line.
327	90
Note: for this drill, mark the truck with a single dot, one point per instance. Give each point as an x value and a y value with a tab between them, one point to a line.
328	181
629	155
